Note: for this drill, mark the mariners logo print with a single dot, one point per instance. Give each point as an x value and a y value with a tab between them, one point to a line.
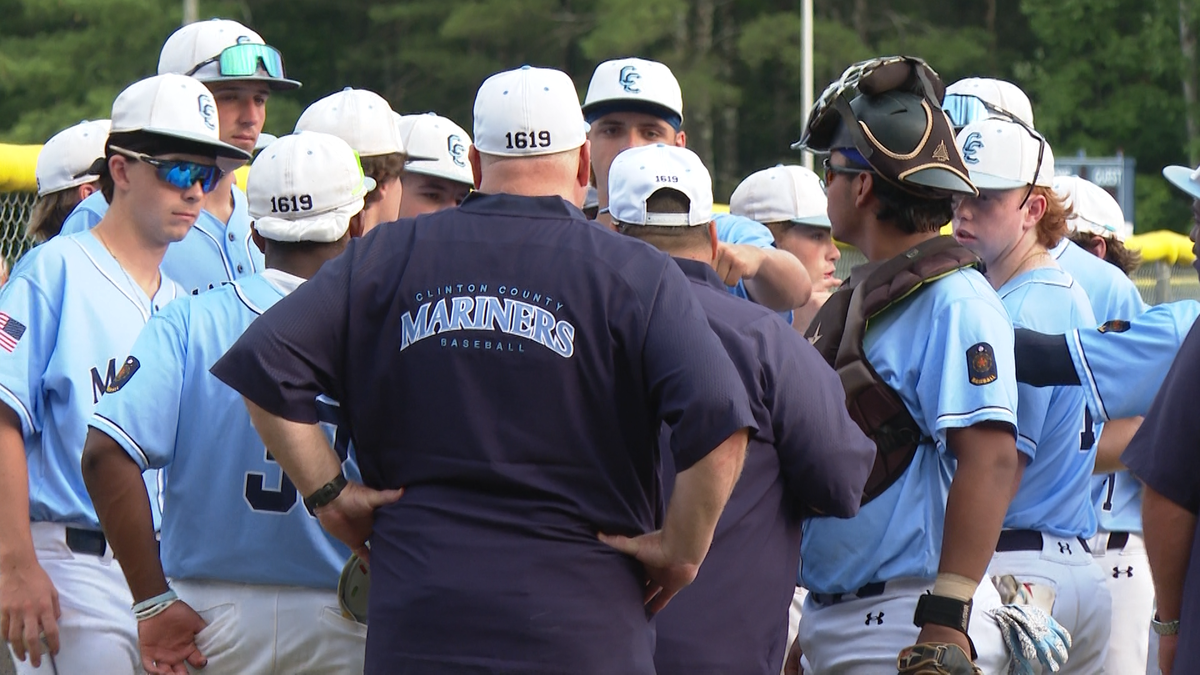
1114	326
981	364
629	78
127	370
972	145
457	150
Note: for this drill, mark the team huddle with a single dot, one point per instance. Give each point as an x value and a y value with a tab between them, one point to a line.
529	393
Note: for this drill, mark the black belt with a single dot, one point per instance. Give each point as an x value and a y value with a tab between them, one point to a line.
1027	540
88	542
1117	540
868	591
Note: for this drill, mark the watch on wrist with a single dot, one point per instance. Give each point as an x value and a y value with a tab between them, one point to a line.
326	493
1164	627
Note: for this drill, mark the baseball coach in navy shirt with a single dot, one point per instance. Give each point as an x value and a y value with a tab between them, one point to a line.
806	455
508	364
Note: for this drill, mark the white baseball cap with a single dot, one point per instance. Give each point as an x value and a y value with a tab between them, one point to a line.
637	173
306	186
175	106
1094	210
431	135
196	50
65	159
965	99
622	84
362	118
528	112
1003	155
781	194
1184	178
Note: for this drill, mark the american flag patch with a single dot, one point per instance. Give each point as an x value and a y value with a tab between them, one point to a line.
11	331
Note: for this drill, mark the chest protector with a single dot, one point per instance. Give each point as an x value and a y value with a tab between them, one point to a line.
837	332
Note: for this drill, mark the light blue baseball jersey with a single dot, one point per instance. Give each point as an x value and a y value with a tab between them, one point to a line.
733	229
1053	427
230	513
211	254
948	353
78	314
1116	497
1111	294
1121	366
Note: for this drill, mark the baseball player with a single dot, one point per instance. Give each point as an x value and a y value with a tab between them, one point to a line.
808	455
240	71
790	201
434	184
633	102
62	176
1099	227
917	552
1011	226
365	120
253	577
69	315
510	365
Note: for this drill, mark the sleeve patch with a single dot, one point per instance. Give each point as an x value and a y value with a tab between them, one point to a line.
1114	326
981	364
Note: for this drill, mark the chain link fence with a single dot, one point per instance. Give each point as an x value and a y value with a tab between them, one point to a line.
15	208
1158	282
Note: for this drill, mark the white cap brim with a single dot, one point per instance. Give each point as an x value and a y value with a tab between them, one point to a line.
985	181
222	148
435	172
821	220
1181	177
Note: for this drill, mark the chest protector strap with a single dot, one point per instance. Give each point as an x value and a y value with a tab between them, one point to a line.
837	332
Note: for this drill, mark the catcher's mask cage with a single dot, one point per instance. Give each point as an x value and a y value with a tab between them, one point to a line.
889	109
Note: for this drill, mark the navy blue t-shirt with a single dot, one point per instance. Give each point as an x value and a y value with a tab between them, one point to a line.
509	363
1164	455
806	456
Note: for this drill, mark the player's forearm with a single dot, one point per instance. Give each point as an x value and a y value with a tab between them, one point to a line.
1169	529
1113	439
16	542
988	468
302	450
781	283
118	492
699	498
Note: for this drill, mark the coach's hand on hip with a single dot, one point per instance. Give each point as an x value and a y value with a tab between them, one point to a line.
168	641
351	516
28	609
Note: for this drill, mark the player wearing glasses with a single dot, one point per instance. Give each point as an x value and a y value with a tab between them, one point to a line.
68	318
240	71
1012	225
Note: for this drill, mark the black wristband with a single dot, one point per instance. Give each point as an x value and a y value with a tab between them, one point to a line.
326	493
943	611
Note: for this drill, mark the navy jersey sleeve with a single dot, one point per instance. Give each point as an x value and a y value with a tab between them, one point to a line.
824	456
1165	452
294	351
691	381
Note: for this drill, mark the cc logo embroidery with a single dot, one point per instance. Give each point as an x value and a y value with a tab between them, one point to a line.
208	110
972	145
457	150
629	78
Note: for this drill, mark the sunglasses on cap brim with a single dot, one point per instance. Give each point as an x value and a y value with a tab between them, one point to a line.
178	173
964	109
244	60
870	77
